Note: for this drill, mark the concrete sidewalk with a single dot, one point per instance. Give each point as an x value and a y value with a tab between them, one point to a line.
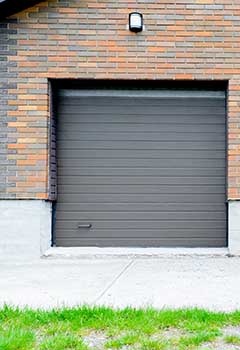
209	282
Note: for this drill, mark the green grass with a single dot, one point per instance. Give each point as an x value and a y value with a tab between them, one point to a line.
149	344
193	341
15	338
124	340
132	329
63	341
232	339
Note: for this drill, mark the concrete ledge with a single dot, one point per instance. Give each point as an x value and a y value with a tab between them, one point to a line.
93	252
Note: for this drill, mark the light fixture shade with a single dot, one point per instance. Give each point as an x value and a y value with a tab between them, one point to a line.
135	22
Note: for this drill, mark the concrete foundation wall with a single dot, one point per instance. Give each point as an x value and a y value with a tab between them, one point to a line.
25	229
234	227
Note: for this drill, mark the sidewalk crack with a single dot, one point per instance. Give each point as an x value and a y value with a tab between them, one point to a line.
114	281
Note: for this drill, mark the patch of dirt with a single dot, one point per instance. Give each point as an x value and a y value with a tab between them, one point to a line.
231	330
95	340
219	345
172	333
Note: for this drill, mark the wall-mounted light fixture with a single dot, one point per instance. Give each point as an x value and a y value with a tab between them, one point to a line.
135	22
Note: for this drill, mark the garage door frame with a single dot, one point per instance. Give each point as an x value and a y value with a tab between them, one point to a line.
56	84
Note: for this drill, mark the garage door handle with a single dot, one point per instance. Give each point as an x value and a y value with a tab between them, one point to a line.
84	225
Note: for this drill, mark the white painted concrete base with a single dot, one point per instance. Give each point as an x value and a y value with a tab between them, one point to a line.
25	229
234	227
25	234
93	252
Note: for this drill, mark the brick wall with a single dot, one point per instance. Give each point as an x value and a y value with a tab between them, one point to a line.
183	39
7	81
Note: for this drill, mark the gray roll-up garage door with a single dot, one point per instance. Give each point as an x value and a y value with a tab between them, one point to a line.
141	168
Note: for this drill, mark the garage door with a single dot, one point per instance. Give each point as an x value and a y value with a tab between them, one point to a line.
141	168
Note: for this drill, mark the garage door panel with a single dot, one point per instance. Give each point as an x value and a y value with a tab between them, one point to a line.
135	109
140	171
161	207
139	233
135	98
145	168
201	242
133	162
146	127
139	180
141	224
79	153
74	144
143	189
142	215
150	136
144	198
102	118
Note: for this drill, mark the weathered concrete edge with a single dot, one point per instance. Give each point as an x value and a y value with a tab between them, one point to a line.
94	252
